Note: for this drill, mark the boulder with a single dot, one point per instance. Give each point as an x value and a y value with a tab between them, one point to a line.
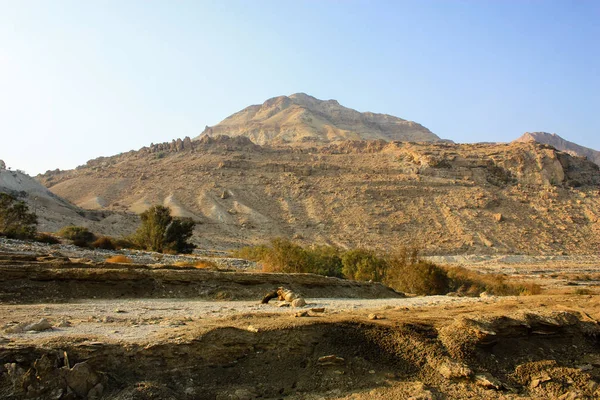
82	379
299	302
454	370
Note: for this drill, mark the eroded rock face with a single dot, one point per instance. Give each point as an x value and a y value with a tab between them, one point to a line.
359	193
552	139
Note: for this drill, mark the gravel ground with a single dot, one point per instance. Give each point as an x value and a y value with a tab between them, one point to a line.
137	256
133	320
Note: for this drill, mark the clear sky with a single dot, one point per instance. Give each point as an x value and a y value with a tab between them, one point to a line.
82	79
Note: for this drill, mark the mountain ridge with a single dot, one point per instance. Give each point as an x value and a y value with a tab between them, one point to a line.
525	198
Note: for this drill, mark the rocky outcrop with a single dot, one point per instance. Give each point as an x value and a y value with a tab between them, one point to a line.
301	119
552	139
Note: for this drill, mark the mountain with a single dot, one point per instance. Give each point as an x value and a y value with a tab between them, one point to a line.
55	212
552	139
301	118
447	198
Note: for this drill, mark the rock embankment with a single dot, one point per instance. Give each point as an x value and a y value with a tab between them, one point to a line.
32	279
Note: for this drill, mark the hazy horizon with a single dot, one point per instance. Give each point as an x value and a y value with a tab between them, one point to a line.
79	80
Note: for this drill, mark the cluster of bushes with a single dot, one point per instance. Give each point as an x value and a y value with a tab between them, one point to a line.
159	231
403	270
283	255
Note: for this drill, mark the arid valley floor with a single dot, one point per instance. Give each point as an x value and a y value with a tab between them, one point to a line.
179	333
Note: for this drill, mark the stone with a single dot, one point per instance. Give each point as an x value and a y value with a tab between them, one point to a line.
301	314
225	194
330	360
593	359
454	370
318	310
82	378
487	381
299	302
498	217
2	165
374	317
41	325
95	392
244	394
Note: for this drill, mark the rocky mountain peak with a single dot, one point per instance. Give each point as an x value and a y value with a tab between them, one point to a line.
300	119
559	143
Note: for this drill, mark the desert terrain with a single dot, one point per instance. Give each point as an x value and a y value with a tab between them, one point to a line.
76	324
73	327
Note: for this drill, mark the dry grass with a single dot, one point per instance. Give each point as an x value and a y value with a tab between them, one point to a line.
119	259
204	264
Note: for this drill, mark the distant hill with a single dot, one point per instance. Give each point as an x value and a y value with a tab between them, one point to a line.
559	143
54	212
301	118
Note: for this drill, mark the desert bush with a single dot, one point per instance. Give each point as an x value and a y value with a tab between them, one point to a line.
124	243
325	260
161	232
80	235
473	283
252	253
404	270
15	219
418	277
46	238
119	259
105	243
282	255
364	265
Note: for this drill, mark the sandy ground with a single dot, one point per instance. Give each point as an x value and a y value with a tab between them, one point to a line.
134	320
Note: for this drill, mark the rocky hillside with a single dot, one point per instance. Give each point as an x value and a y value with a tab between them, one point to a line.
301	118
446	198
559	143
55	212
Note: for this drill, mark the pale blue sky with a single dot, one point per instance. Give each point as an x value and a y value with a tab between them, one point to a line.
82	79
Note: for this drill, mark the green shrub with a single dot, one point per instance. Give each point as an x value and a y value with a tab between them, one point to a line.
403	271
15	219
363	265
80	235
418	277
282	255
161	232
324	260
252	253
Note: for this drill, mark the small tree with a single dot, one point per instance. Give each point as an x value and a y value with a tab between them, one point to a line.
15	219
160	231
80	235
